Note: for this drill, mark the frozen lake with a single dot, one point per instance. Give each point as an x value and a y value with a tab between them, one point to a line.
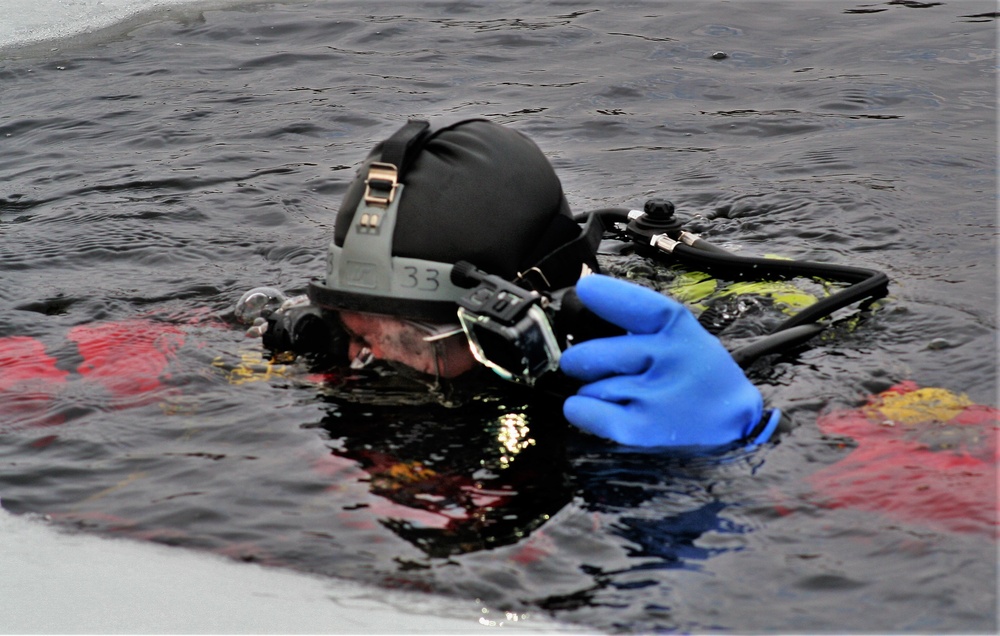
28	21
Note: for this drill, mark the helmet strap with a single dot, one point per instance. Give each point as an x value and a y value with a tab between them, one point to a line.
365	262
404	144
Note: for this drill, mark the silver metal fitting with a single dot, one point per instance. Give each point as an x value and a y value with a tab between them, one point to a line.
663	243
688	238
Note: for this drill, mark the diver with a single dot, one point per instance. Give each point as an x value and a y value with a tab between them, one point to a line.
455	260
454	250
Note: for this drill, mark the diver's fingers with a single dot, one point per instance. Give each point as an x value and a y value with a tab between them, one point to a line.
632	307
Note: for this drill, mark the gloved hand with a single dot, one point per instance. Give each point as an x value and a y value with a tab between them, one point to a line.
667	382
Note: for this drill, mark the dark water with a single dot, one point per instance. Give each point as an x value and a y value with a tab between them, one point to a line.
155	171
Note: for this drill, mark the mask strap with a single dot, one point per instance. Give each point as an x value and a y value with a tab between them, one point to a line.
366	260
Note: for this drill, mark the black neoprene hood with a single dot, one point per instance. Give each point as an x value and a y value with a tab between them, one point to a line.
478	192
471	191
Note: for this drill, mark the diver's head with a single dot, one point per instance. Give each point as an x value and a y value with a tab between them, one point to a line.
429	197
423	200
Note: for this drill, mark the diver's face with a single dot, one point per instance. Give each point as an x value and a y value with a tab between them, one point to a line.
440	350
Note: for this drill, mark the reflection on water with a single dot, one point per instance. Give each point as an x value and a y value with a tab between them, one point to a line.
153	174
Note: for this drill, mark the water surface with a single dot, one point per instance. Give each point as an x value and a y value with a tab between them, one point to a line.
156	170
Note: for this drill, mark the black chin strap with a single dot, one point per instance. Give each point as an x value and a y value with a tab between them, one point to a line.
563	266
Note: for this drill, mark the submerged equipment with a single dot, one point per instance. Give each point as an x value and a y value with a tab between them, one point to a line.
919	455
658	234
467	221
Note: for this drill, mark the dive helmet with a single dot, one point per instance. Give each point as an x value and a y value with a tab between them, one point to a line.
431	196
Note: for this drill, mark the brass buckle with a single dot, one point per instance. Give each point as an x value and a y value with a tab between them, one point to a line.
383	177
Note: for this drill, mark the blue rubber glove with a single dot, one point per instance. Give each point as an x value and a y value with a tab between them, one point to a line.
667	382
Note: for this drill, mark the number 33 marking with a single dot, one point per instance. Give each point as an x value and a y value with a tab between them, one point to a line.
422	279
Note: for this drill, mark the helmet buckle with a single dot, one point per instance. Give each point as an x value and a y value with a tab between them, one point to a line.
381	184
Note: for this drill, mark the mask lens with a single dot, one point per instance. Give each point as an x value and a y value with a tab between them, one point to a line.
431	349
